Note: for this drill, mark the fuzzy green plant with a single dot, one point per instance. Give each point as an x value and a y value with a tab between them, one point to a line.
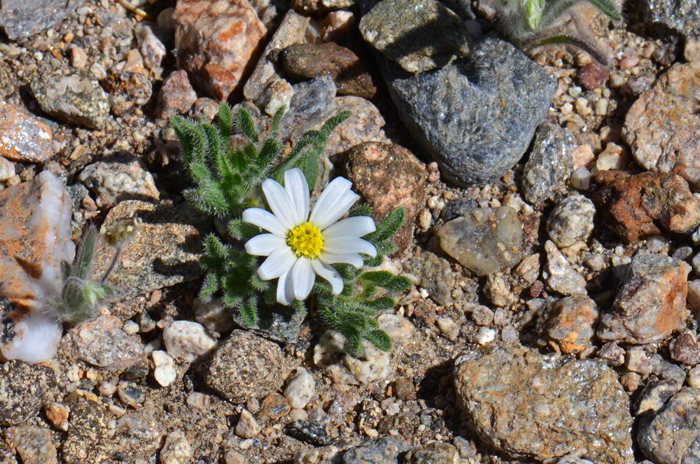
535	23
227	179
81	290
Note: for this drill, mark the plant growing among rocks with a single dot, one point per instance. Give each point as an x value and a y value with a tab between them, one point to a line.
535	23
242	182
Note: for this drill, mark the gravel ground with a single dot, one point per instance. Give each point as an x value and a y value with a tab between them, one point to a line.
576	344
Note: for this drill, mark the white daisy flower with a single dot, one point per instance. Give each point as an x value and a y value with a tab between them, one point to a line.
302	245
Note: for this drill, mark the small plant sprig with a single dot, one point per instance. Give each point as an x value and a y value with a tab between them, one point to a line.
80	290
235	180
532	23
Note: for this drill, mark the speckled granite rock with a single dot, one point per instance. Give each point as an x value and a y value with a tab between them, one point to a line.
672	435
428	35
635	205
74	98
164	253
34	445
383	450
571	220
530	406
681	16
650	305
127	89
550	164
215	41
88	439
247	366
484	240
388	176
23	18
23	137
477	115
662	126
102	343
433	274
122	179
24	388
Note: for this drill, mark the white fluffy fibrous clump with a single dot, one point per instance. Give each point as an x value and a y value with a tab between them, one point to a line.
34	339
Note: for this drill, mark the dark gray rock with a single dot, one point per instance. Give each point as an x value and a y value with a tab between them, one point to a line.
309	104
308	432
672	436
536	407
477	115
73	98
550	164
23	18
682	16
383	450
24	388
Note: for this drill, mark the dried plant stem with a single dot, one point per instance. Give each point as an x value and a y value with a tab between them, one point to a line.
136	11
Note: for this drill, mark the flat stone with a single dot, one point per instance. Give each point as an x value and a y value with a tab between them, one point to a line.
672	435
441	39
569	323
164	253
274	407
383	450
215	42
571	220
433	453
308	61
432	273
35	232
23	137
188	340
24	389
388	176
246	366
650	304
102	343
485	241
550	164
554	405
74	98
292	30
176	96
634	206
25	18
661	126
34	445
120	180
476	116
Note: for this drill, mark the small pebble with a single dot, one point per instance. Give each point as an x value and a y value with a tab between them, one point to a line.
165	372
300	389
485	335
177	449
187	340
78	57
247	426
130	327
57	414
448	327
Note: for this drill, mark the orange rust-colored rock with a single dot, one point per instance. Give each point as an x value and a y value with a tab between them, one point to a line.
636	206
23	137
569	323
388	176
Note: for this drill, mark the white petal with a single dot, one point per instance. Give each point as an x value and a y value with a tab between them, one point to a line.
298	190
347	258
280	203
340	245
285	289
335	201
303	277
354	226
263	245
265	220
330	274
280	261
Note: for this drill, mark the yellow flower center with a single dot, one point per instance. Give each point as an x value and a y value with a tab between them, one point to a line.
305	240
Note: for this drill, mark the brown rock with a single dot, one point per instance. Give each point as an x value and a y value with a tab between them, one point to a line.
308	61
389	176
663	127
176	96
23	137
651	302
216	41
127	89
404	389
274	407
568	323
593	75
636	206
685	349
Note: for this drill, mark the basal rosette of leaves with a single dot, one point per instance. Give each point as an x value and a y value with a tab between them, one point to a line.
228	179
